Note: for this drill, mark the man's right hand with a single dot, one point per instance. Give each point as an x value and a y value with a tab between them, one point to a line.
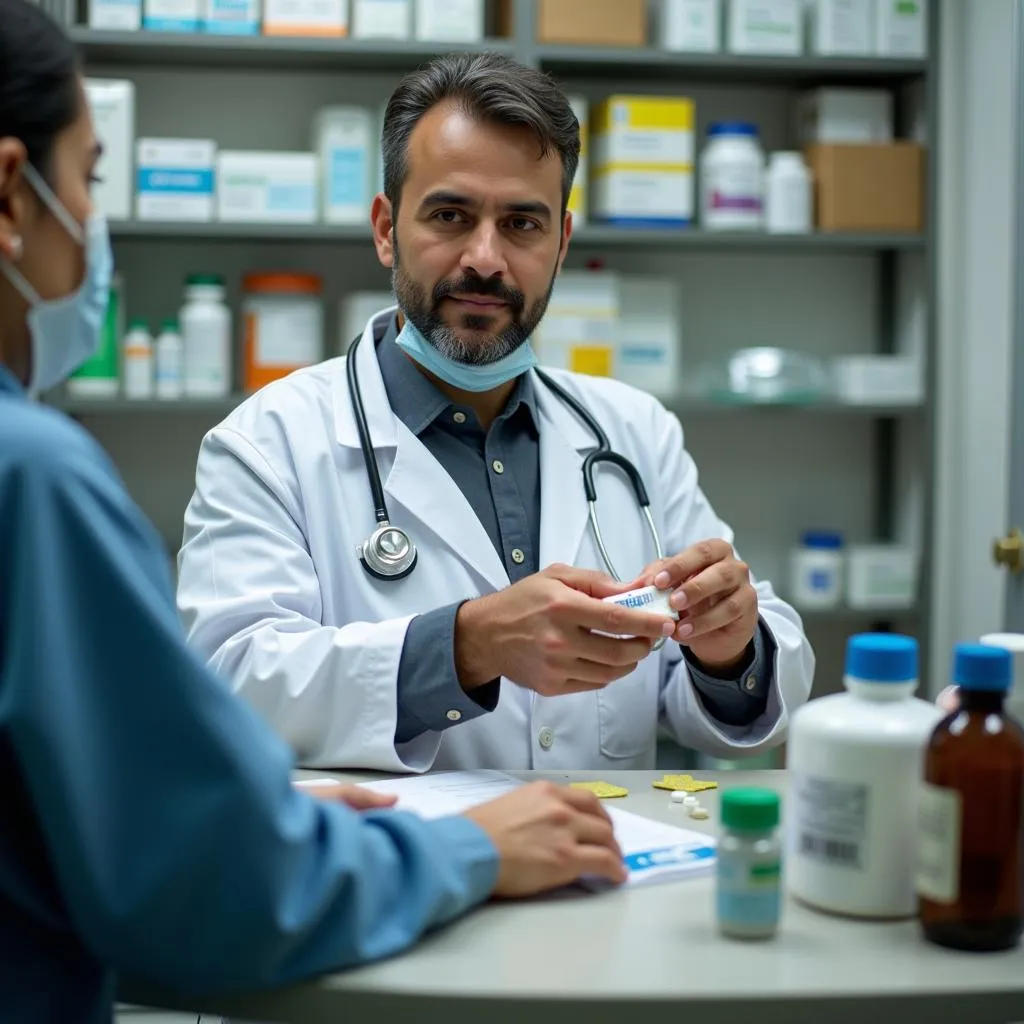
539	633
548	836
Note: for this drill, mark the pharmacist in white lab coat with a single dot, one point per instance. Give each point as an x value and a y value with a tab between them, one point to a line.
485	654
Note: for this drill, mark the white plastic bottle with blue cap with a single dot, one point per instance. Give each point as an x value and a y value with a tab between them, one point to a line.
855	762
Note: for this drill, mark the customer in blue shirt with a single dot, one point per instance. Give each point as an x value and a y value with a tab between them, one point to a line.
148	825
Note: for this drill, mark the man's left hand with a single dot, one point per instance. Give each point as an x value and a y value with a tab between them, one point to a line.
716	601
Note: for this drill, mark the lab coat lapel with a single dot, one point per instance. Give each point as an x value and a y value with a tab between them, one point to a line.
563	504
422	497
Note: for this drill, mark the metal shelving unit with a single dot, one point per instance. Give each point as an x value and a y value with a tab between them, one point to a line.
878	257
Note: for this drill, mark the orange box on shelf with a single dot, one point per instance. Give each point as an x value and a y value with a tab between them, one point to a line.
282	318
327	18
868	186
584	22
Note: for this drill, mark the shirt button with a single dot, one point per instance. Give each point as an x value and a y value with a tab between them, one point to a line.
454	715
460	418
517	556
546	738
751	683
498	466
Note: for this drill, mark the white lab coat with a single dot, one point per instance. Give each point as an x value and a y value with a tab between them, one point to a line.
272	592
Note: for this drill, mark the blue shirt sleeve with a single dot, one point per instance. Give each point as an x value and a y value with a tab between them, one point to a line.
743	698
182	851
430	697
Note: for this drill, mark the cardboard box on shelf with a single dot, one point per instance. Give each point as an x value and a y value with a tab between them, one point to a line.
868	187
583	22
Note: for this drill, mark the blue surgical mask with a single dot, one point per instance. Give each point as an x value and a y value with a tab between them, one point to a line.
464	376
66	332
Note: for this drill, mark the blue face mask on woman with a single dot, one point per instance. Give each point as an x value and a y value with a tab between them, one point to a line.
66	332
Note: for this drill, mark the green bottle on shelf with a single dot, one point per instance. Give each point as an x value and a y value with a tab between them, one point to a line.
99	377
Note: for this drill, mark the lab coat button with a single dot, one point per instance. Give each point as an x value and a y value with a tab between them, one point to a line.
517	556
454	715
546	738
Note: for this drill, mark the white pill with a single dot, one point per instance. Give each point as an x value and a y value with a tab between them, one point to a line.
691	801
679	797
699	813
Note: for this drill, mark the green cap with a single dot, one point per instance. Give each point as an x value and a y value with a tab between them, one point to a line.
201	279
170	325
750	809
138	325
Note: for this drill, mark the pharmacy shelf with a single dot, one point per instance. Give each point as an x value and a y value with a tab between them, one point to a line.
589	236
77	406
220	52
650	63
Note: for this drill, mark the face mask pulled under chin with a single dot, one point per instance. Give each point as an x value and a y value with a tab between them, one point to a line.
66	332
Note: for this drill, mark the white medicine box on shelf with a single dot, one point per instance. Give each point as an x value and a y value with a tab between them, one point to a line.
881	577
354	312
176	180
901	28
382	19
112	104
841	28
844	116
120	15
867	380
171	15
327	18
580	331
766	26
689	26
344	140
268	188
649	333
450	21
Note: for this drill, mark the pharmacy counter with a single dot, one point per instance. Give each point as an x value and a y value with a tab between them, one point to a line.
652	955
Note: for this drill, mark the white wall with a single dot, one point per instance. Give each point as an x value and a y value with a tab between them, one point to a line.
976	281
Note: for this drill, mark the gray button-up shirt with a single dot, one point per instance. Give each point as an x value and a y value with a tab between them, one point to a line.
498	471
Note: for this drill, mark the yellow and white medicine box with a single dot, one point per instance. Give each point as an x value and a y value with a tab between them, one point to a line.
580	330
305	18
578	194
641	155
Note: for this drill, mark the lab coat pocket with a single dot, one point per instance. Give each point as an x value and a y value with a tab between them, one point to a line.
627	713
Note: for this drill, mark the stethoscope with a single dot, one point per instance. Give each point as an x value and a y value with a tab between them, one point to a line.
389	553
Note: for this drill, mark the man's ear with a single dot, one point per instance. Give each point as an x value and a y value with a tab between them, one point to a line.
382	220
13	206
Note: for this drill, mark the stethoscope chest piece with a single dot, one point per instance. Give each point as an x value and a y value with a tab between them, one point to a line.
388	553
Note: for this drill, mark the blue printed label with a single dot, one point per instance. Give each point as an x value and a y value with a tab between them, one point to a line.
642	356
821	579
749	894
347	177
180	181
171	24
667	856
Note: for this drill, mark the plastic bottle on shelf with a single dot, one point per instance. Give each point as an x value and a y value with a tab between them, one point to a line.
138	361
206	337
788	195
170	362
970	852
816	570
732	178
854	761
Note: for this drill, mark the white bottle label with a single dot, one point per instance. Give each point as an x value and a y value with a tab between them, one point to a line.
939	814
832	822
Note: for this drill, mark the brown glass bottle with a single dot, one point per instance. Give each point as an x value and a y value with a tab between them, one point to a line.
971	834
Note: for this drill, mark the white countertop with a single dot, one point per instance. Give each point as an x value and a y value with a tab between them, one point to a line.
654	952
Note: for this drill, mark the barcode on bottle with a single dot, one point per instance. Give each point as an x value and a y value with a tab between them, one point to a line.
830	851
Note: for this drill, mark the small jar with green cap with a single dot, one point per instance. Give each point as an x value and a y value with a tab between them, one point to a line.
749	895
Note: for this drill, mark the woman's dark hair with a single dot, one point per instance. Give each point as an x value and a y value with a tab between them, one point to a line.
39	95
492	88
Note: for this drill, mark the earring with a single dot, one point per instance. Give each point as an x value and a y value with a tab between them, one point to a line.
16	248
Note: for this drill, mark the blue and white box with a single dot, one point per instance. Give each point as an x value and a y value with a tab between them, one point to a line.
176	179
268	188
344	141
231	17
171	15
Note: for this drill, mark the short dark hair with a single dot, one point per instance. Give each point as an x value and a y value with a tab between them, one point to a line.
492	88
38	80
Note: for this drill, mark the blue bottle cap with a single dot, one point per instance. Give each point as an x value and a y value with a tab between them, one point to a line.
977	667
732	128
882	658
822	540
